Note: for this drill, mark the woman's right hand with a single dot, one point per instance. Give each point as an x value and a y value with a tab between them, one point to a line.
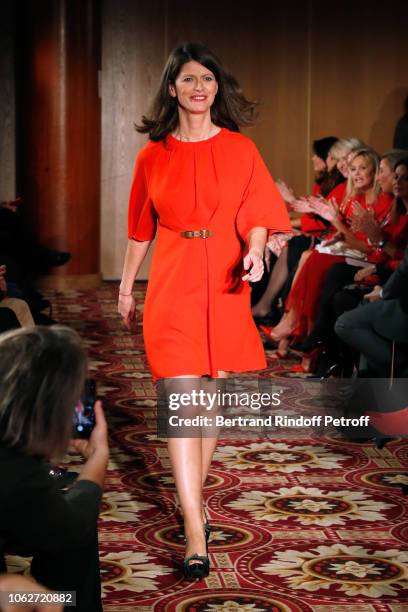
127	309
95	450
285	191
98	441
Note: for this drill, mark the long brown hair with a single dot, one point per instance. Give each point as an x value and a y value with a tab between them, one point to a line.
42	373
230	109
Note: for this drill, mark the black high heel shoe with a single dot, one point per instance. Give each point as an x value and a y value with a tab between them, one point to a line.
201	567
196	571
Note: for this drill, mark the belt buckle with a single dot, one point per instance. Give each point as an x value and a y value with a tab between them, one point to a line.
204	233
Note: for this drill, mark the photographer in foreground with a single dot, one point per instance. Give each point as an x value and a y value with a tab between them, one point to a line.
42	374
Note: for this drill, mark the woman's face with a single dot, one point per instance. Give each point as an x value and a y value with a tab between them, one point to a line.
195	88
342	163
400	182
319	165
385	176
362	172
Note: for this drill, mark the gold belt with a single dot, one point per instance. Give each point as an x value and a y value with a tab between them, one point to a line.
196	234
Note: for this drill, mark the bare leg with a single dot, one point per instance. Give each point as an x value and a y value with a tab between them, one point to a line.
186	461
288	322
209	444
281	351
191	459
285	326
276	281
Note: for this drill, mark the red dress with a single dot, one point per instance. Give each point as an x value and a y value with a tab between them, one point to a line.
197	317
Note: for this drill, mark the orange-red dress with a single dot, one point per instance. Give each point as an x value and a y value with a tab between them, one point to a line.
197	317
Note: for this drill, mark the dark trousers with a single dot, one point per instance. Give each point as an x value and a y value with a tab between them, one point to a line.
338	276
71	570
356	328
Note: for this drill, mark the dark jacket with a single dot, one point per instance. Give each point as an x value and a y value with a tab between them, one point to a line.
392	319
397	285
35	516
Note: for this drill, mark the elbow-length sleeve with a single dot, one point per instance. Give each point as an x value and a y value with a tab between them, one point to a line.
262	204
142	217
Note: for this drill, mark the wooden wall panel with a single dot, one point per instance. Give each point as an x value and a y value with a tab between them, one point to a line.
316	67
7	103
59	129
132	60
359	69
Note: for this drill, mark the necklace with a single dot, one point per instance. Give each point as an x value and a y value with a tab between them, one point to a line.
182	137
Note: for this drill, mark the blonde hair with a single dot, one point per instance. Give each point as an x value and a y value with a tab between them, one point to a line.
344	146
42	374
351	190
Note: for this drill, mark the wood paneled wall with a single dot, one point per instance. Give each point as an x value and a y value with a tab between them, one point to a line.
59	131
7	103
359	71
317	68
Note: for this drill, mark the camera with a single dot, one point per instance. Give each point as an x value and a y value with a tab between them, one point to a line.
84	415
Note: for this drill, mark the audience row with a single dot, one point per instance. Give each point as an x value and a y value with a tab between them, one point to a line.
348	238
22	260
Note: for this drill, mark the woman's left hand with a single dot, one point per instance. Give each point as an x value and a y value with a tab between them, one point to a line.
375	294
98	441
253	261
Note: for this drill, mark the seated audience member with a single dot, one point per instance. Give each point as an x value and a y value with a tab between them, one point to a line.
388	240
331	184
324	180
19	307
11	584
18	241
321	149
25	258
302	304
393	238
42	373
372	329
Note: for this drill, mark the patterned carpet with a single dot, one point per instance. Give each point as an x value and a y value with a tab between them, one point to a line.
309	524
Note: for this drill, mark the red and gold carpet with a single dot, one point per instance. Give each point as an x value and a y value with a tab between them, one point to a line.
311	524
